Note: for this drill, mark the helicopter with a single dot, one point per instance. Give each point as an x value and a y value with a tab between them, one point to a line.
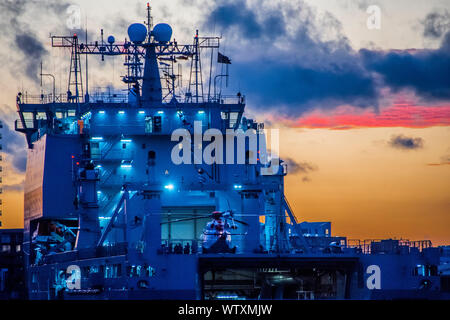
216	236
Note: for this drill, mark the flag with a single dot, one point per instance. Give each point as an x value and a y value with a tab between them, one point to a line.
223	59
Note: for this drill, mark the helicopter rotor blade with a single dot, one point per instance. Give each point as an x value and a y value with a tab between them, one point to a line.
185	219
240	221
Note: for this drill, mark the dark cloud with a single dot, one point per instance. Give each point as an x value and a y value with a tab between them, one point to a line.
13	145
288	57
17	29
236	16
300	167
406	143
303	69
33	51
436	24
427	72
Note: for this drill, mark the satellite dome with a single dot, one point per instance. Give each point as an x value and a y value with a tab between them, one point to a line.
137	32
162	32
111	39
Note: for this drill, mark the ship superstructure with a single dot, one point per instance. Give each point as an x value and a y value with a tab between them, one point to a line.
109	214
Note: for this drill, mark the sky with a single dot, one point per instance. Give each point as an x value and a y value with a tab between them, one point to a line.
363	113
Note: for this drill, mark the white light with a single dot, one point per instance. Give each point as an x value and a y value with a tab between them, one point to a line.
237	186
97	138
125	140
168	187
228	297
98	166
141	112
102	112
121	112
201	112
125	165
160	112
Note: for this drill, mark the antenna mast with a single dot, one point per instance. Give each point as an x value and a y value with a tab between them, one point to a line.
149	20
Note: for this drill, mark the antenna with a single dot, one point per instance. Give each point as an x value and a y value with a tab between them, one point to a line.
149	20
53	78
86	97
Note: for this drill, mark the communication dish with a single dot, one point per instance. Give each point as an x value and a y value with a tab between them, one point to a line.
162	32
137	32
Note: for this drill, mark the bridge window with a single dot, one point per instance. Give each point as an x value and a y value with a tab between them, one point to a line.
157	123
233	119
148	124
41	116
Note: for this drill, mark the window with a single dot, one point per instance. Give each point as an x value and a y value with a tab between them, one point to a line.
157	124
425	270
6	248
41	115
224	115
233	119
148	124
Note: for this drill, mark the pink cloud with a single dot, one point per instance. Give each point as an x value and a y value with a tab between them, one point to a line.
397	115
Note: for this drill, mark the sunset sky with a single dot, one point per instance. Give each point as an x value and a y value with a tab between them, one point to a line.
364	114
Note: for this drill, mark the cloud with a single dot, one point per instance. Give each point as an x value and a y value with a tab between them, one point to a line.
406	143
13	187
13	143
426	72
16	29
300	167
445	160
397	115
33	51
237	16
290	57
436	24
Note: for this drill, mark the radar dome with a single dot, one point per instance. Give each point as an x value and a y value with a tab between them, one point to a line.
162	32
137	32
111	39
